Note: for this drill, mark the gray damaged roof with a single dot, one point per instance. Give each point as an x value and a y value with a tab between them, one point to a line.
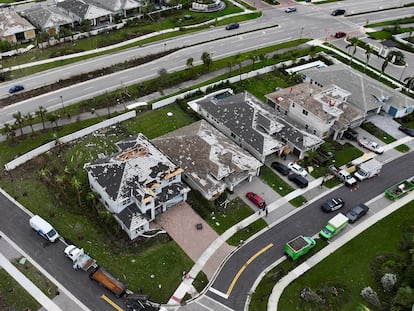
207	156
47	17
256	123
366	93
135	171
12	23
116	5
83	9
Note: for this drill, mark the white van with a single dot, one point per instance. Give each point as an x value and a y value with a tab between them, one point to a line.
43	228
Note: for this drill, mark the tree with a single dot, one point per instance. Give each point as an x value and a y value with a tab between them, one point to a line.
404	298
252	57
230	64
396	57
409	82
190	65
368	51
384	65
53	118
163	77
19	121
206	59
45	175
353	44
41	112
29	118
371	296
10	132
60	182
77	185
263	58
388	281
93	198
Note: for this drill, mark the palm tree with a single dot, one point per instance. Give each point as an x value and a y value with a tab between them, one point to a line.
93	198
9	131
163	77
353	44
60	182
384	65
53	118
263	58
230	64
29	118
41	112
189	64
368	51
19	121
252	57
207	61
409	82
397	56
77	185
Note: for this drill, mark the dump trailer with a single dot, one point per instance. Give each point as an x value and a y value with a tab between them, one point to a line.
334	226
80	259
299	246
400	189
368	169
109	281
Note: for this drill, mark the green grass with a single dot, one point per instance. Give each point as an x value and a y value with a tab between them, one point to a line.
274	181
40	280
245	233
222	220
377	132
14	296
349	265
298	201
406	20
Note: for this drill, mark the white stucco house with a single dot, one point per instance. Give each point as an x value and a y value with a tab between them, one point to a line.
136	184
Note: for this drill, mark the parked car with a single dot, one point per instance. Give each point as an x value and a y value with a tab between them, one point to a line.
16	88
299	180
340	34
290	9
281	168
332	205
256	199
338	12
357	212
407	130
351	134
296	168
232	26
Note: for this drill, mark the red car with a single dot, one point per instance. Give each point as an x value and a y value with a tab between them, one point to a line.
257	200
340	34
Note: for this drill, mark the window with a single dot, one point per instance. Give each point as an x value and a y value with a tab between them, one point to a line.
293	105
306	126
305	112
233	135
314	132
285	113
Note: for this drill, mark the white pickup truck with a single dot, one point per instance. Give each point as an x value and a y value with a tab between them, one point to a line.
343	175
370	145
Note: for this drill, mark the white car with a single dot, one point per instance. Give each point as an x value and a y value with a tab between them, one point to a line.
290	9
296	168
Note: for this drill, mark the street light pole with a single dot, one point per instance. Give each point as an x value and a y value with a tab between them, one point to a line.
301	32
63	106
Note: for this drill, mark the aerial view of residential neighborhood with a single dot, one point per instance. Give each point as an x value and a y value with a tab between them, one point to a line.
206	155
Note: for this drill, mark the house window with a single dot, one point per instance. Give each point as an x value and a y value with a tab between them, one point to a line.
314	132
233	135
306	126
305	112
286	113
293	105
171	179
278	108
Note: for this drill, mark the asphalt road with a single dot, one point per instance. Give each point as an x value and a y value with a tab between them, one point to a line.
309	221
311	21
14	222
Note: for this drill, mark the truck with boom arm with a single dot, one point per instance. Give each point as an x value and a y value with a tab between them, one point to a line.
299	246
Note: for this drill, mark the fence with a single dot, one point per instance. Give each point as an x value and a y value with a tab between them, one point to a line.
65	139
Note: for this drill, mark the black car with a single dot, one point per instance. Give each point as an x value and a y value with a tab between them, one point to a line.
357	212
332	205
281	168
407	130
299	180
232	26
338	12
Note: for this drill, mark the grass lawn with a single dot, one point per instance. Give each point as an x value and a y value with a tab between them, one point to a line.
40	280
245	233
350	265
13	296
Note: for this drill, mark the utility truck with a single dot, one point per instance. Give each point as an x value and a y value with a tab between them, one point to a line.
299	246
400	189
334	226
368	169
83	261
343	175
370	145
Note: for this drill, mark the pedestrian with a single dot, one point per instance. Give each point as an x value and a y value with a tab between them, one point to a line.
266	211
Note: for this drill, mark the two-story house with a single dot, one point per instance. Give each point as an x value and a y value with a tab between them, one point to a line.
136	184
322	111
255	126
212	162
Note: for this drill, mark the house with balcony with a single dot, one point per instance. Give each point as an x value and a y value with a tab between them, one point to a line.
322	111
211	161
255	126
366	93
136	183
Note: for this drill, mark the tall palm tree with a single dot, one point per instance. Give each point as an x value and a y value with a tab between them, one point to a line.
190	65
53	118
60	182
10	132
353	44
19	121
252	57
41	112
384	65
77	185
93	198
206	59
409	82
368	51
29	118
230	64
